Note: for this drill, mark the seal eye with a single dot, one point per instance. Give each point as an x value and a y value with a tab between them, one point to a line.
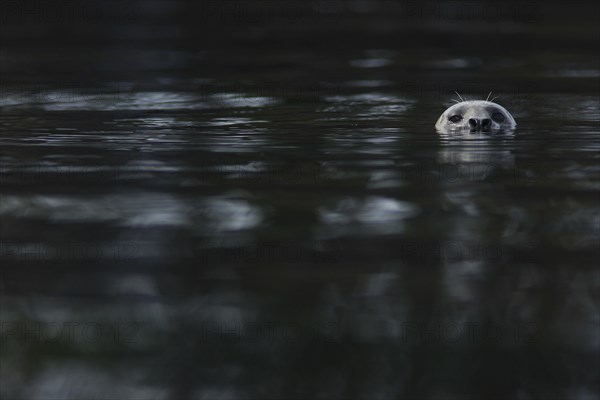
455	118
498	117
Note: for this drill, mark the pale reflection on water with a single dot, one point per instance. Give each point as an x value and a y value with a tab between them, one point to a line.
374	214
126	99
137	210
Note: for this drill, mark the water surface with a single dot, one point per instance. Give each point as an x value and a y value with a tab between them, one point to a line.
220	207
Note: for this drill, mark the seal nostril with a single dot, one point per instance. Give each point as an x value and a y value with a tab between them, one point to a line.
473	122
486	122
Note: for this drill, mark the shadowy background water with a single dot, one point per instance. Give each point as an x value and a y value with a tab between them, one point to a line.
223	200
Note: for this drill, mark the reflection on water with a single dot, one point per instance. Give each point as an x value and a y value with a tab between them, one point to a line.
125	100
375	214
262	214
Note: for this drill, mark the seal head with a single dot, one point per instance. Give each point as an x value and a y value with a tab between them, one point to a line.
475	116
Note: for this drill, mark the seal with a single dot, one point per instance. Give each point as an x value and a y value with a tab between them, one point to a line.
475	116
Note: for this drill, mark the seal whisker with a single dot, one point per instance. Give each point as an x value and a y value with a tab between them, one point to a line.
494	98
488	96
459	96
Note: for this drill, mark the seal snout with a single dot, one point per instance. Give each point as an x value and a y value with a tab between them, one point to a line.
480	124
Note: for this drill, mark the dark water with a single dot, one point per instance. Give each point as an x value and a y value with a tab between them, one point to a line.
202	200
